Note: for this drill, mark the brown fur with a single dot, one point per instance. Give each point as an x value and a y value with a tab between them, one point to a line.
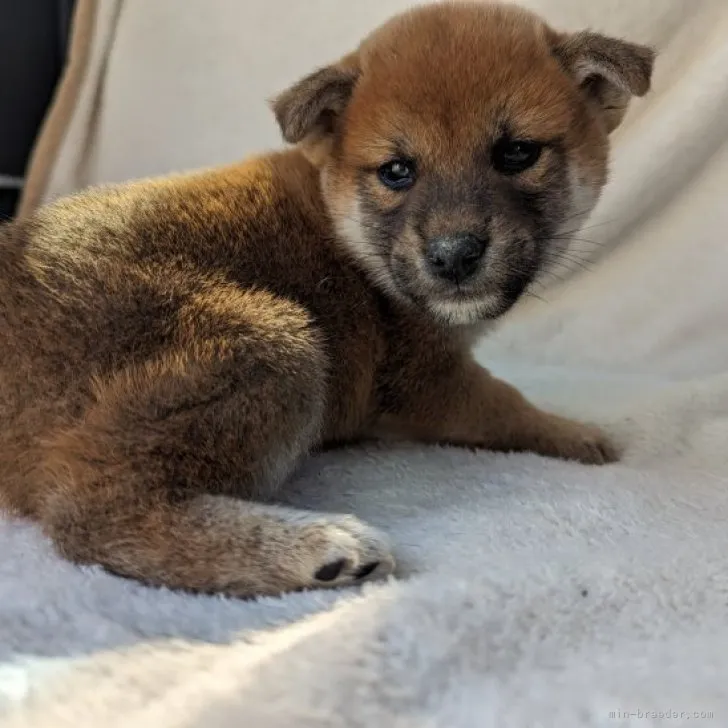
172	348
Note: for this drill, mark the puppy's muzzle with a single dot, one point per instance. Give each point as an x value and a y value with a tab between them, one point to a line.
455	258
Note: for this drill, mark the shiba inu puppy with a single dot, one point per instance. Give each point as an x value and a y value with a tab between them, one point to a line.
172	348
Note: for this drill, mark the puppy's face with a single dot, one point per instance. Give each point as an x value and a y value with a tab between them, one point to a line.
457	142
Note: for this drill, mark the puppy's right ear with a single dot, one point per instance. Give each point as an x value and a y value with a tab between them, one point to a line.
609	71
309	110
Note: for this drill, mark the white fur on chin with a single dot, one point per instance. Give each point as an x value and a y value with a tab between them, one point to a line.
464	313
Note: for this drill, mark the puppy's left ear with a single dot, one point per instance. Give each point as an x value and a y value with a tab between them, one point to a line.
309	111
608	70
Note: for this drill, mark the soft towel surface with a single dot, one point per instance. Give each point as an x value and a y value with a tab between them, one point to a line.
532	592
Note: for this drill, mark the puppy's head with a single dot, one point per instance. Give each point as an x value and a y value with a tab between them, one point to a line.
456	143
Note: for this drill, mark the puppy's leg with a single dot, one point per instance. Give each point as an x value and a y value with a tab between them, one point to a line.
143	484
214	543
465	405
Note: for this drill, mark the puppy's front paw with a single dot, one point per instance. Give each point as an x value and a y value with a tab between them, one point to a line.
571	440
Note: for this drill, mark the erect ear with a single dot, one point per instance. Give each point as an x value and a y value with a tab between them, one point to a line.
309	109
610	71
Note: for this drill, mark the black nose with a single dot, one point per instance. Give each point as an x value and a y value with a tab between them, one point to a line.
455	258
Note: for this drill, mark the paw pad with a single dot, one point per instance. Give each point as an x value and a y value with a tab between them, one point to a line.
329	572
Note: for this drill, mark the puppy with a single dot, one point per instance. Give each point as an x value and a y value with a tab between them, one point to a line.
172	348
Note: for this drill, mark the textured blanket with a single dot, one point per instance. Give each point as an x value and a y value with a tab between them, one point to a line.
531	592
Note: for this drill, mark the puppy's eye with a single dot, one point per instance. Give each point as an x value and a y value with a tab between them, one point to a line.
399	174
512	157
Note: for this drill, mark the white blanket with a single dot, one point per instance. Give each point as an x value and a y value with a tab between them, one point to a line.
532	592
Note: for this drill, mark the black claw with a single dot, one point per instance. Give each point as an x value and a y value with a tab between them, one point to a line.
330	571
366	570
